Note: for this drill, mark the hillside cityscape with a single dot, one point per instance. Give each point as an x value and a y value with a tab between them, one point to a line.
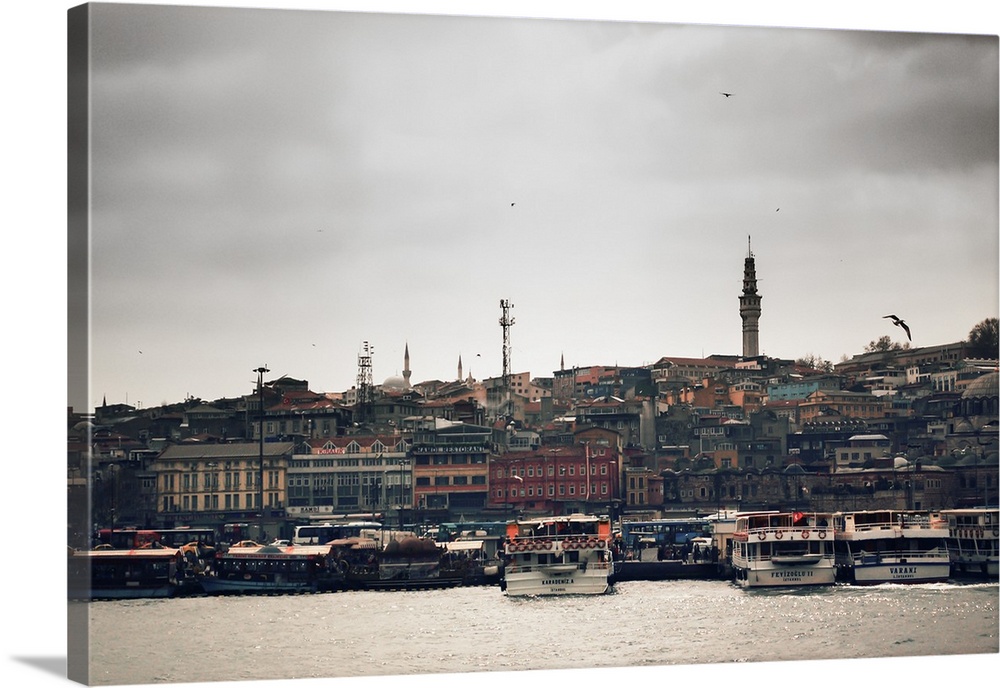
893	427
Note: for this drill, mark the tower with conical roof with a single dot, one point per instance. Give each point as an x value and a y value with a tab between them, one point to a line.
750	307
406	365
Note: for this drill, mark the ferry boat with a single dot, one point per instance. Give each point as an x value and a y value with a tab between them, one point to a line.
252	568
772	549
412	563
558	555
888	546
466	561
973	537
114	574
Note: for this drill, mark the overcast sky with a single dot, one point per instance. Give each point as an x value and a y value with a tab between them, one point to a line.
276	187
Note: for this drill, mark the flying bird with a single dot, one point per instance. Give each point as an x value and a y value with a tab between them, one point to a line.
897	321
725	94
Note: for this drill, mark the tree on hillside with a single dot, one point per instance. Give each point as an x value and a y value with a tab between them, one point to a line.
815	362
983	340
884	344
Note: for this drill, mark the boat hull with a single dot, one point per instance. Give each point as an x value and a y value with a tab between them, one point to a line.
543	583
976	568
223	586
785	576
875	574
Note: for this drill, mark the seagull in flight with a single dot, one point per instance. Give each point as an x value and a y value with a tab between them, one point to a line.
727	95
897	321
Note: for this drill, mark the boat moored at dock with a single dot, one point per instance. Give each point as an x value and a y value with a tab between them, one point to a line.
973	540
116	574
773	549
558	555
251	568
889	546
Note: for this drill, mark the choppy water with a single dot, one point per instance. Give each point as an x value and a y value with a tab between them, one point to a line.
351	634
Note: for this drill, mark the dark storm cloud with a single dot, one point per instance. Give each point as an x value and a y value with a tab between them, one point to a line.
354	174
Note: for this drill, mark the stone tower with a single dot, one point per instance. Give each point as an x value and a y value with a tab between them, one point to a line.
750	307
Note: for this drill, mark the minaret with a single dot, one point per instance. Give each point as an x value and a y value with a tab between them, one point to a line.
406	365
459	367
750	306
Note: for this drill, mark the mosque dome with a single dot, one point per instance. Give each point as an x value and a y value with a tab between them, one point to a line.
394	383
985	386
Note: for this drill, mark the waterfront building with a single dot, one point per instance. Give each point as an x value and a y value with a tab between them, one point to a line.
450	466
198	482
583	475
350	474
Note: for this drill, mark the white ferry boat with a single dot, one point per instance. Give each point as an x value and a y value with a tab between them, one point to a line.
889	546
558	555
973	537
772	549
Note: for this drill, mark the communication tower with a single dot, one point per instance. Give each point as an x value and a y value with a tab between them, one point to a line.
366	390
506	321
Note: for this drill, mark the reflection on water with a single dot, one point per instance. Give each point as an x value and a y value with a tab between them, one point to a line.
352	634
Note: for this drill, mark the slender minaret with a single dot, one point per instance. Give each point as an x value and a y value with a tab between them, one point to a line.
750	306
459	367
406	365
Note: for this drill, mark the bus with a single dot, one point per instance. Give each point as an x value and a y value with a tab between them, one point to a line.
322	533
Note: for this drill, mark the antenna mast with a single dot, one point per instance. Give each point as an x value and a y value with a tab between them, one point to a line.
505	323
366	392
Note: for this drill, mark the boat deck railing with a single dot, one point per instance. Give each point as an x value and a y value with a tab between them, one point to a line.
552	542
937	528
516	567
899	556
787	532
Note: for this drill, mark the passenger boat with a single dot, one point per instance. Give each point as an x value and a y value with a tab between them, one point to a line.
973	539
772	549
466	560
558	555
888	546
251	568
412	563
114	574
